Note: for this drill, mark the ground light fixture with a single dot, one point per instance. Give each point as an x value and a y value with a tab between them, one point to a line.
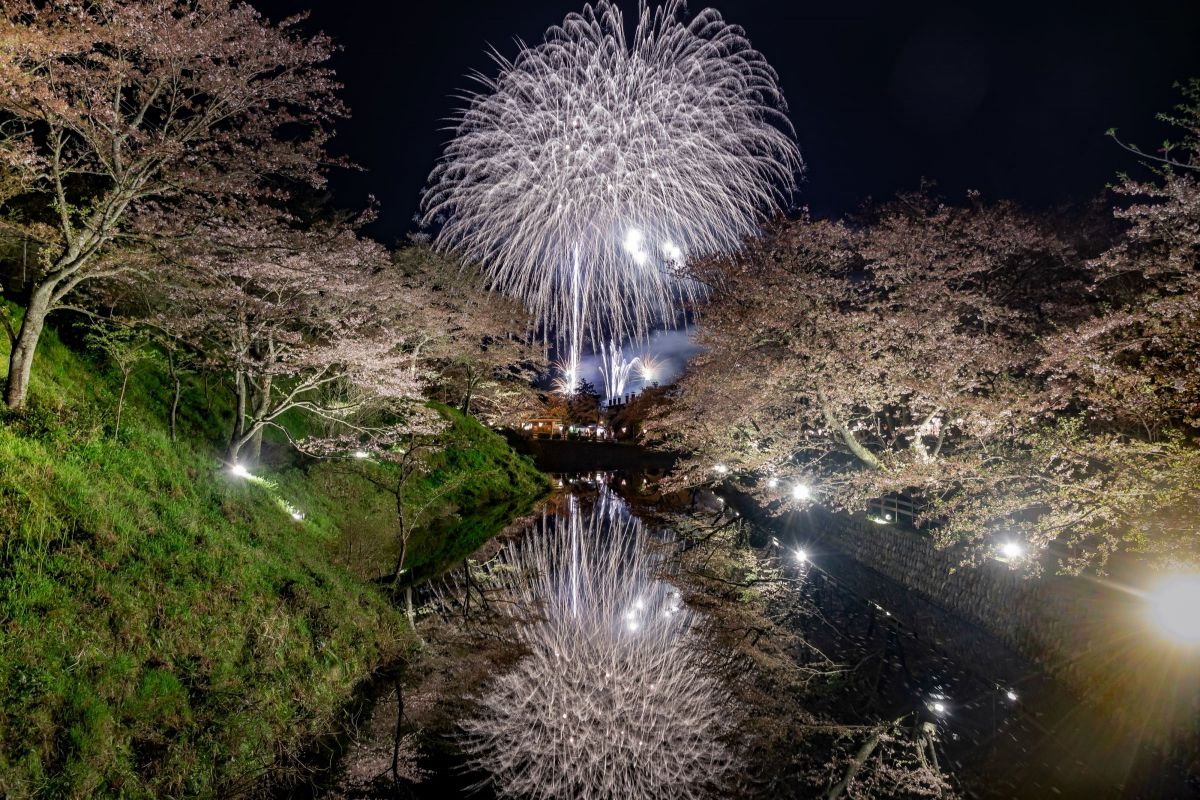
1173	605
1012	550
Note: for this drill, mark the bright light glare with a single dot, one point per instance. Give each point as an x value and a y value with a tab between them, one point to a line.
633	245
721	469
1010	694
296	515
802	555
802	491
773	482
239	471
360	454
939	708
1175	608
1012	550
672	251
633	241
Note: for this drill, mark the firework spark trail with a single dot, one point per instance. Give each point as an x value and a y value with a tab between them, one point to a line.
593	166
616	370
612	700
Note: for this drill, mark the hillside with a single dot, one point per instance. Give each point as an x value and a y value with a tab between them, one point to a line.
168	629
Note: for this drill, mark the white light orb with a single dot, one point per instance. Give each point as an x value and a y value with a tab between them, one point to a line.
1174	608
239	471
801	555
633	241
802	492
1012	550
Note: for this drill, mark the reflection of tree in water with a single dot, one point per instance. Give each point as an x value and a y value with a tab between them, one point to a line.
612	698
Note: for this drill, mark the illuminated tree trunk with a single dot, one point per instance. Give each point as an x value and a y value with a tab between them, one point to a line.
20	360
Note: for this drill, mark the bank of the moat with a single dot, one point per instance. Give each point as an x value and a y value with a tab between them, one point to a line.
1003	726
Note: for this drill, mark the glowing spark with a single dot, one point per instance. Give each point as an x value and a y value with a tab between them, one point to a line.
580	174
649	369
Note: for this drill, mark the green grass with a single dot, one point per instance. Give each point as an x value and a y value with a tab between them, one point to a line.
167	630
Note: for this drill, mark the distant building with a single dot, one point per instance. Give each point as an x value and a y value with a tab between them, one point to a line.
543	426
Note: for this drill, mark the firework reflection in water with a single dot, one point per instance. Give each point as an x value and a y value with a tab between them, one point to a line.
612	699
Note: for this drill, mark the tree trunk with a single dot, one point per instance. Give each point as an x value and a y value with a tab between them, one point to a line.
846	435
121	403
855	765
397	737
470	392
175	404
239	419
260	411
20	360
254	455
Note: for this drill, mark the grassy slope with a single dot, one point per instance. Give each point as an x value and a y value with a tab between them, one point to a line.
166	630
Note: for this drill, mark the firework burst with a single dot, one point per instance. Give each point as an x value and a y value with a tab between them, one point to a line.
594	166
615	369
612	699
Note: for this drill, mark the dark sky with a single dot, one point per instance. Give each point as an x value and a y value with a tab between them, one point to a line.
1011	98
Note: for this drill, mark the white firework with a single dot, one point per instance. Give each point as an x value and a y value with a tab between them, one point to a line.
615	369
612	700
593	166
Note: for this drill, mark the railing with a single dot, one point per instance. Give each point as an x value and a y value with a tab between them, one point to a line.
897	509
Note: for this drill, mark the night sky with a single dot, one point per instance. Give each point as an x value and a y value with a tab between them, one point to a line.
1009	98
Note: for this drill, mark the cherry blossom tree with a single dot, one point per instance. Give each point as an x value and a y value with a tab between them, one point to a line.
973	359
476	345
877	349
306	319
116	106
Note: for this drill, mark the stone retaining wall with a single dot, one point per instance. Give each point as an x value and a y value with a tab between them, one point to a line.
1085	633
